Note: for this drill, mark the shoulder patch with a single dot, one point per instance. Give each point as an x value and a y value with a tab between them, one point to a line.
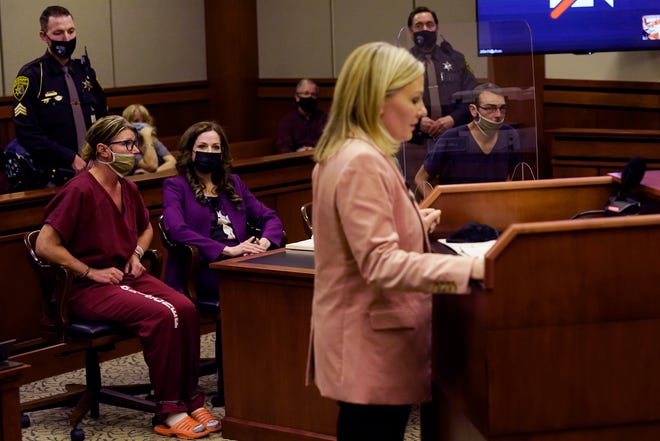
20	86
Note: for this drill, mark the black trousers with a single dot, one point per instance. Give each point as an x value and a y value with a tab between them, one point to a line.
369	422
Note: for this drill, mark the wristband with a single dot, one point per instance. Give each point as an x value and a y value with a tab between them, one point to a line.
84	273
139	251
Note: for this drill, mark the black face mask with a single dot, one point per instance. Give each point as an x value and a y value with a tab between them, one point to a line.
63	49
206	162
308	104
425	39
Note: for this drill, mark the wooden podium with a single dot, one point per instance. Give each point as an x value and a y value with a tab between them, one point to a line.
561	340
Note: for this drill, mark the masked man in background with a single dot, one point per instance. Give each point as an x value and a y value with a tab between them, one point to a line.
447	72
55	100
301	128
484	150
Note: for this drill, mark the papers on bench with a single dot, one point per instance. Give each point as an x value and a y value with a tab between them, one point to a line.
471	249
303	245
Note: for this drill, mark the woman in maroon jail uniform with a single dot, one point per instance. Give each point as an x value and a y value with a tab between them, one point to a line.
98	226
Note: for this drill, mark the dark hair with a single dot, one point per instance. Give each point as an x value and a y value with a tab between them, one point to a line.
485	87
221	177
419	10
52	11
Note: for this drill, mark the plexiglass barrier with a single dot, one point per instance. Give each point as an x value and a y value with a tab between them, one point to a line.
481	124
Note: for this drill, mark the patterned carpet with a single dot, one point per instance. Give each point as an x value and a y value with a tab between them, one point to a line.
115	424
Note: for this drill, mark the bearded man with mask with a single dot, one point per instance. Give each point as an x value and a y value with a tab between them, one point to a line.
449	71
56	99
301	128
484	150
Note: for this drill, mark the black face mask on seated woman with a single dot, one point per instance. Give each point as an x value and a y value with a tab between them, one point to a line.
206	162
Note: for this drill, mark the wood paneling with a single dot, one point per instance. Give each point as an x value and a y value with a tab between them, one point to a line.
601	104
232	65
173	106
548	348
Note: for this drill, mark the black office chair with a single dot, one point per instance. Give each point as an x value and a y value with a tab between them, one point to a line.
79	335
306	213
209	307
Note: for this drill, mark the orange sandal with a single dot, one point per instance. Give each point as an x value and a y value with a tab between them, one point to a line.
182	430
203	416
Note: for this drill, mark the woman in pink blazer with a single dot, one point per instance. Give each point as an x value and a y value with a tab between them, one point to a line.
371	313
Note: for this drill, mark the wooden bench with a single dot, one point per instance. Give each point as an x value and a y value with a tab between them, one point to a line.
593	152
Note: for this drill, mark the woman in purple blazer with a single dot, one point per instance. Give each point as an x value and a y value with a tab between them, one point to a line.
207	206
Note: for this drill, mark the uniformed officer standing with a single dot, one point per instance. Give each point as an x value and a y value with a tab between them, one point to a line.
50	119
446	72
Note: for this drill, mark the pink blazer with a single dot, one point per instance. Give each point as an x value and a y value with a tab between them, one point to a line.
371	312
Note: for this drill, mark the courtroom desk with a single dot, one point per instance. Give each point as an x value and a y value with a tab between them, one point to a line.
592	152
265	312
559	343
10	381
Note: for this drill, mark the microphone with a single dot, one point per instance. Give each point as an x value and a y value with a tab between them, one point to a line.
631	176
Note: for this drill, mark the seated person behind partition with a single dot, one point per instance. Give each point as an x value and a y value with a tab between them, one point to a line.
484	150
154	156
97	226
301	128
207	206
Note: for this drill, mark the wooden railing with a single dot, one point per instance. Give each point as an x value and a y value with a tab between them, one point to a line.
592	152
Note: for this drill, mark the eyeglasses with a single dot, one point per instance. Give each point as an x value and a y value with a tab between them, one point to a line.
129	144
307	94
492	109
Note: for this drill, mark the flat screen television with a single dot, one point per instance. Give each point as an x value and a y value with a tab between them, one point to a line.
508	27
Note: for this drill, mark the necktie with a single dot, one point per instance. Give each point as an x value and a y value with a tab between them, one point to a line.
78	117
434	90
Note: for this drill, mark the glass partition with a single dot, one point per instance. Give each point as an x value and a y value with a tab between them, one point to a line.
482	117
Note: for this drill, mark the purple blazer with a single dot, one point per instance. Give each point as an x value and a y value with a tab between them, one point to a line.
188	221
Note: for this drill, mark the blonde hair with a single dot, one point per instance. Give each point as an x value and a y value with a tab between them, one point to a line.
371	73
130	111
103	131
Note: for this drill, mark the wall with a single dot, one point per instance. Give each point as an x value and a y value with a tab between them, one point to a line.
129	43
608	66
162	41
314	40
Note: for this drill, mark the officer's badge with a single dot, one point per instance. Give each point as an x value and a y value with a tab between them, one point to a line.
48	96
21	84
19	110
447	66
87	85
